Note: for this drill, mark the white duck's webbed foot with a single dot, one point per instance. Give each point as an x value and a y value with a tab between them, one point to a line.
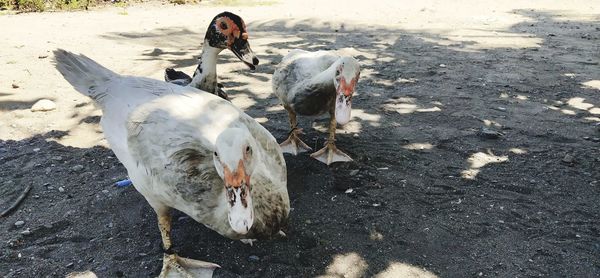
178	267
330	154
293	144
281	234
248	241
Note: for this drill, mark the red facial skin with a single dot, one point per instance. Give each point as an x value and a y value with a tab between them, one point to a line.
231	30
347	88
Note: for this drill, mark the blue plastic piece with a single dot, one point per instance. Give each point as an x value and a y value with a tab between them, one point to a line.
123	183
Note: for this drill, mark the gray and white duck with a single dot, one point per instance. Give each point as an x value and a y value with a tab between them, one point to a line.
188	150
226	31
312	84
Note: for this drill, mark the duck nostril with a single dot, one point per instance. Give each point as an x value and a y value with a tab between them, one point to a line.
255	61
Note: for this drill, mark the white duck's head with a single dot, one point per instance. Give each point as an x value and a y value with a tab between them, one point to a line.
228	31
346	76
234	159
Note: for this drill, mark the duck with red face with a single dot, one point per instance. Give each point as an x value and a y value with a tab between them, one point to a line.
226	31
312	84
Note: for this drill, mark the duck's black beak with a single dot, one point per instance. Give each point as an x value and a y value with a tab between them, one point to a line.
241	49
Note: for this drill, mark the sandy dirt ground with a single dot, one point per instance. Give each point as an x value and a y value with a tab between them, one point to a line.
476	138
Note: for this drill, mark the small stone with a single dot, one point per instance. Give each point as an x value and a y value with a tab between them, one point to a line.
355	135
61	189
43	105
442	65
489	133
57	158
36	150
349	190
77	168
586	138
15	86
596	139
105	191
19	223
253	258
26	232
354	172
69	265
569	159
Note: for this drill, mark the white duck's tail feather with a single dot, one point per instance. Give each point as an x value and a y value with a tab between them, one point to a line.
84	74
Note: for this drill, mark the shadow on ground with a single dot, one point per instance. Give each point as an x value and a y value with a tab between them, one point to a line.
468	162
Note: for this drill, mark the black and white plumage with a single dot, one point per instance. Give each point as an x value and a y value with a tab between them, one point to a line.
226	31
188	150
315	83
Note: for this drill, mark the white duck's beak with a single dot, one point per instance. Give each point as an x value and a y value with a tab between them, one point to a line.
241	211
343	101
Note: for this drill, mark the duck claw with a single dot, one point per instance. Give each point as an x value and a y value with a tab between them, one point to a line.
248	241
330	154
176	267
293	144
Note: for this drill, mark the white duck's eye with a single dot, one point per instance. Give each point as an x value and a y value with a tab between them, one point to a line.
248	149
216	154
337	72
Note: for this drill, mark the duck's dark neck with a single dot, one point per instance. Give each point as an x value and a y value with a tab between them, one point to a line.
205	76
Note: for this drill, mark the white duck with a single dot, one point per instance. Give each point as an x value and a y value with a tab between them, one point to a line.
188	150
311	84
226	31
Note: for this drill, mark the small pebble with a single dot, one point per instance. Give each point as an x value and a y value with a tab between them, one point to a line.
105	191
61	189
26	232
568	159
489	133
596	139
77	168
36	150
19	223
70	265
253	258
43	105
353	172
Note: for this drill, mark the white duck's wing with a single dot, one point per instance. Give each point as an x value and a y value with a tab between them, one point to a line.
296	71
172	138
